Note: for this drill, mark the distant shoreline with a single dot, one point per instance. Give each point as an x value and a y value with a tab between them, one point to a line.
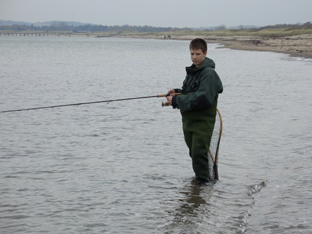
296	45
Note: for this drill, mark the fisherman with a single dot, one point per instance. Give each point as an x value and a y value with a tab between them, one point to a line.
198	106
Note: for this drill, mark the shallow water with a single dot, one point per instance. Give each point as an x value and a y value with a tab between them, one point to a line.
123	167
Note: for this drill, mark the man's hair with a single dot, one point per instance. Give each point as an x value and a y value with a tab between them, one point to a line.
197	44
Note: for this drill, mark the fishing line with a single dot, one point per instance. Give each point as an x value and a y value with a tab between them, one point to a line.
83	103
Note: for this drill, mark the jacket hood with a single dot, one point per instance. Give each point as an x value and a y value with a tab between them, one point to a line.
207	63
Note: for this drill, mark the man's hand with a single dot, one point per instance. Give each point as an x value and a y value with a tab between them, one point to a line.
169	100
170	95
171	92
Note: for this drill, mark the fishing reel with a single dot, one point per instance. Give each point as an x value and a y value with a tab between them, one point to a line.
165	104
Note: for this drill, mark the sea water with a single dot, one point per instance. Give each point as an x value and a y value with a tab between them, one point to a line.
123	167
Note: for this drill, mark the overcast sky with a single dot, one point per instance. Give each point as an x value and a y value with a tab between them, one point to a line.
164	13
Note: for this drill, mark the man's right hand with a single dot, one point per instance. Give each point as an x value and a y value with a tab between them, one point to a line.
171	92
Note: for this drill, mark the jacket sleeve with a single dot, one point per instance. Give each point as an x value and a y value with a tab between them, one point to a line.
177	90
204	97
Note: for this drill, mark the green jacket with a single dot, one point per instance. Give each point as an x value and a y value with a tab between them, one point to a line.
200	89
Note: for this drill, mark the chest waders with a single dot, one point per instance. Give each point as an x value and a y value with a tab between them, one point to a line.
198	128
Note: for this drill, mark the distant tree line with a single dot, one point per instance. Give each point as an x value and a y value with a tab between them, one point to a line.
63	26
305	25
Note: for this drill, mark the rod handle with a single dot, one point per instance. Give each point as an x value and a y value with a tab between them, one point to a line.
165	95
161	95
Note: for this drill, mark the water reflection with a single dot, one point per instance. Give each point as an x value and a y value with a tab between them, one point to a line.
192	209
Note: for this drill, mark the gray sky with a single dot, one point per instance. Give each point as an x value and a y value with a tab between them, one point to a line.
164	13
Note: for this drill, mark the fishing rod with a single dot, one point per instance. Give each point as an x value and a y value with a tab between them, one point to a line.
84	103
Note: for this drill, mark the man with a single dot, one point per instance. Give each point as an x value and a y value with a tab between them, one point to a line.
198	106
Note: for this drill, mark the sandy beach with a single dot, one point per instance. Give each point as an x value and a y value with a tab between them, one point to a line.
297	46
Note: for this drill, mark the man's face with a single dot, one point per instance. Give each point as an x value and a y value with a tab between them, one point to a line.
198	56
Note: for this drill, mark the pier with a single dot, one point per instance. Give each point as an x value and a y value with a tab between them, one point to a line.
39	34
